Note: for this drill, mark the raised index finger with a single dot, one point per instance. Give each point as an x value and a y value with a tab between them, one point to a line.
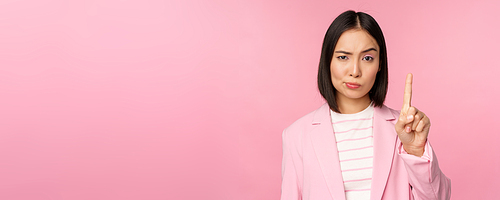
407	96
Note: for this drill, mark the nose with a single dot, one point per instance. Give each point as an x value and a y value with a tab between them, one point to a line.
355	72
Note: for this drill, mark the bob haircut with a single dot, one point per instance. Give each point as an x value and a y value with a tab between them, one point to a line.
347	21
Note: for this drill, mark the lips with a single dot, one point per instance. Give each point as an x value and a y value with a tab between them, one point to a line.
352	85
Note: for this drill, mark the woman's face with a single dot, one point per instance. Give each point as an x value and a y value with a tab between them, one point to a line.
354	65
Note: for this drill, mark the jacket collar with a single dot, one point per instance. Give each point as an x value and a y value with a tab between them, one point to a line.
325	147
324	112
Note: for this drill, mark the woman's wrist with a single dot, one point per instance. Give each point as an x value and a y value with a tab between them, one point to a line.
416	151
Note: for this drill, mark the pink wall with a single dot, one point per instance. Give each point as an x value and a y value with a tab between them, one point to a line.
151	99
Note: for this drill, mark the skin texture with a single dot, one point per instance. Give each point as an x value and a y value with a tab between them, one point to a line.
355	60
355	63
413	125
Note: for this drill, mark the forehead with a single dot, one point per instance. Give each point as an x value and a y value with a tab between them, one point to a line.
356	40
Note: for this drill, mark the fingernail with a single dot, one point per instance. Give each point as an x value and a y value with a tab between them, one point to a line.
409	117
407	129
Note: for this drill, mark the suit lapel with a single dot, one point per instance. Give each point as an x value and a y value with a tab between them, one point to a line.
384	142
326	151
325	147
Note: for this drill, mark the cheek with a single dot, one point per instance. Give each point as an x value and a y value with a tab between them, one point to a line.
372	76
372	70
336	76
336	71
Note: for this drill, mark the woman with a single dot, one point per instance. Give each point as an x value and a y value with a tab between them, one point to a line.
354	147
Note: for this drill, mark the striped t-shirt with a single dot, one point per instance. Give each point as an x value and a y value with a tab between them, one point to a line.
354	137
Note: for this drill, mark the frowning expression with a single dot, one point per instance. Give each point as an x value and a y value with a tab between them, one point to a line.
355	64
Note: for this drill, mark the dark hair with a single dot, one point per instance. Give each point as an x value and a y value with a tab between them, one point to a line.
347	21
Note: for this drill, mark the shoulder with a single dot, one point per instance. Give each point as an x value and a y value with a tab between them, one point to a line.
393	111
386	112
308	121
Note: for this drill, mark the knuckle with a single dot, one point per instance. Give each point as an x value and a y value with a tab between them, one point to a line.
412	109
426	119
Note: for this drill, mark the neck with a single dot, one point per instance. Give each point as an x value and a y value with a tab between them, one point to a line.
351	106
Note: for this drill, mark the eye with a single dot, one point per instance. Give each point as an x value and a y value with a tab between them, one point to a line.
342	57
368	58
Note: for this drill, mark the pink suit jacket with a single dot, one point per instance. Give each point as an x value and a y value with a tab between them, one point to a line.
311	168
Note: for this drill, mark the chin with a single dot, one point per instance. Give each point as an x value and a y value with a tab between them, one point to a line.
356	95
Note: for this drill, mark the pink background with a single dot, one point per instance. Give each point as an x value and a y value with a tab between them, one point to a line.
117	99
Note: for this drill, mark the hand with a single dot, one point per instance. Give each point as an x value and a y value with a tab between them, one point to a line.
413	125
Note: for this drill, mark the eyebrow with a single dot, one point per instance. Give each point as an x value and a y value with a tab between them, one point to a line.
349	53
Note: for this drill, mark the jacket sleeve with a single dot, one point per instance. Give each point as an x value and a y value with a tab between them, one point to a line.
425	177
291	168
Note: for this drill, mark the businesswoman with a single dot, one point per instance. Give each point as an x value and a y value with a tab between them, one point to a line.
354	147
